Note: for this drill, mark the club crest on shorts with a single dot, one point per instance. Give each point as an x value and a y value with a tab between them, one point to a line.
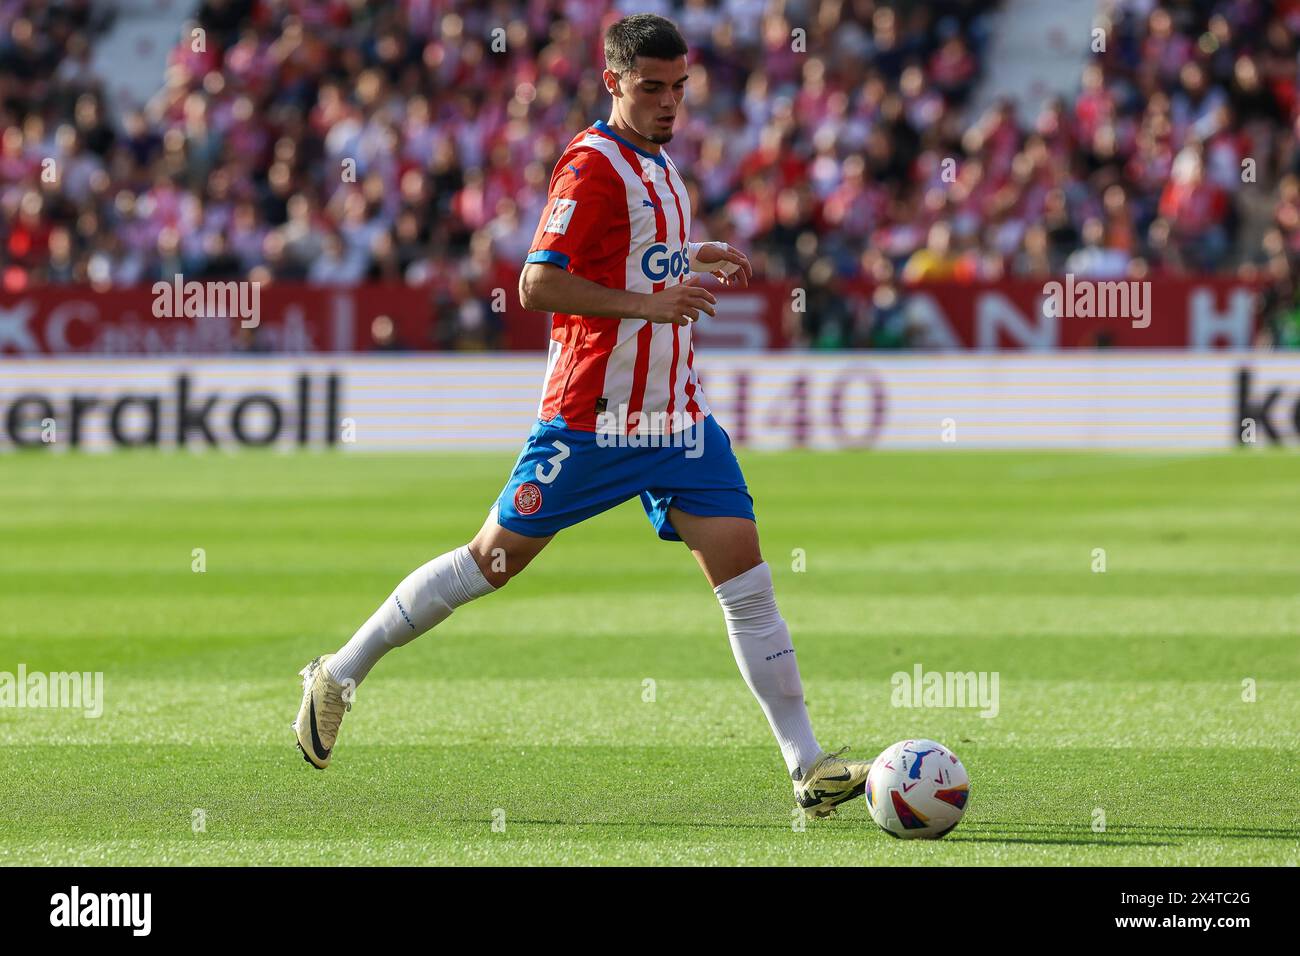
528	498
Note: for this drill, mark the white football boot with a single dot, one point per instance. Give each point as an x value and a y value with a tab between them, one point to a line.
830	782
324	701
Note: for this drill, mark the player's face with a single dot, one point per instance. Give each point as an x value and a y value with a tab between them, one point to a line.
648	96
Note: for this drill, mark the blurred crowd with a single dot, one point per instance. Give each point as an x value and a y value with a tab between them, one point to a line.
341	141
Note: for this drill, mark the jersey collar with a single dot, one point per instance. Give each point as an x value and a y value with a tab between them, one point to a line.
602	127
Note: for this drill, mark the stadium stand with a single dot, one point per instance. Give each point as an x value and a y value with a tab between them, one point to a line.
858	158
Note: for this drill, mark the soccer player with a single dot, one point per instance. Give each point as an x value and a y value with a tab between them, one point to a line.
622	415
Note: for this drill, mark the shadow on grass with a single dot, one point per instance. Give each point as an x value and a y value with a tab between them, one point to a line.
1045	834
1135	829
1046	838
1099	840
636	824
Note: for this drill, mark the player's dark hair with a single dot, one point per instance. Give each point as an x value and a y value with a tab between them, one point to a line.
642	34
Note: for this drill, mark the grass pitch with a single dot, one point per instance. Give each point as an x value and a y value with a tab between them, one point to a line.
1120	692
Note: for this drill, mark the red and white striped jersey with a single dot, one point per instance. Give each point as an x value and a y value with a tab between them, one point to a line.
621	217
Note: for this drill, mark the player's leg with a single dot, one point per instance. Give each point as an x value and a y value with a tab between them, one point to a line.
427	596
561	478
699	496
725	547
501	553
424	598
727	550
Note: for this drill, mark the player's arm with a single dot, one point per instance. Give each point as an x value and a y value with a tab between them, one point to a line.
584	197
546	287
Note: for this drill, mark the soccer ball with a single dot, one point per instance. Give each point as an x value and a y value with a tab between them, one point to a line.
917	789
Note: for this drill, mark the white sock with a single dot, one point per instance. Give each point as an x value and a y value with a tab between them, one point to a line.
425	597
761	642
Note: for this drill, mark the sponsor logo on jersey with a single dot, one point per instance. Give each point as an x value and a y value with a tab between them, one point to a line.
528	499
658	262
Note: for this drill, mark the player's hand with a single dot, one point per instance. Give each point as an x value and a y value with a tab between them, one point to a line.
679	304
714	252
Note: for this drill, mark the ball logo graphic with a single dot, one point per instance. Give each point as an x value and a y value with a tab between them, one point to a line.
917	788
528	499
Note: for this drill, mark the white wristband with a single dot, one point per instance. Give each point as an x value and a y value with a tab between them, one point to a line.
693	258
693	255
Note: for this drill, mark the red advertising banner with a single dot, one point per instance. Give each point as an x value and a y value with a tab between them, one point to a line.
70	320
1201	313
1197	313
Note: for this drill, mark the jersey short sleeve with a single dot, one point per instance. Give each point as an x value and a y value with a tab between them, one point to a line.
582	202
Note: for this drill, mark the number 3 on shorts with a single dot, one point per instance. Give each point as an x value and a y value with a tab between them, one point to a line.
556	463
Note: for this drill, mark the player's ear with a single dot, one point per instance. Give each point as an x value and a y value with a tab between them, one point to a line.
611	83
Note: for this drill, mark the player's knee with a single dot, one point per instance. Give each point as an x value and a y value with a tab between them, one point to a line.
746	562
495	563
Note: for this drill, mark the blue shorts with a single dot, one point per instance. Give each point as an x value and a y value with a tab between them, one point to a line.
565	476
